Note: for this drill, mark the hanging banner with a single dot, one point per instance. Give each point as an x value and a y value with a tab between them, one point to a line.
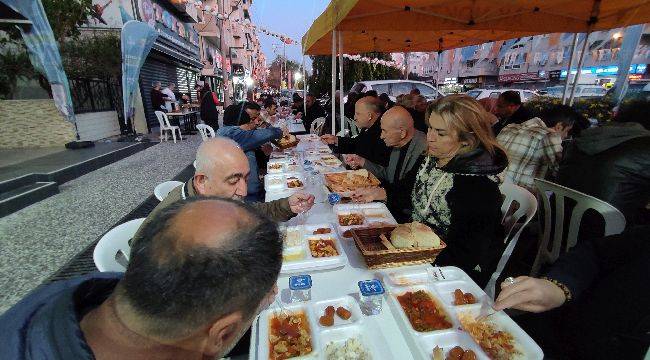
44	52
137	40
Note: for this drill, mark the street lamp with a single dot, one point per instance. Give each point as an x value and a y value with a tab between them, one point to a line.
617	35
297	76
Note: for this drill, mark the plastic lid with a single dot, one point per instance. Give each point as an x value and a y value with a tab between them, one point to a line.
371	287
300	282
333	198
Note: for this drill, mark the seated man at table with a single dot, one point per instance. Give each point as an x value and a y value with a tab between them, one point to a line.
270	110
193	286
222	170
314	111
241	113
408	147
250	138
368	144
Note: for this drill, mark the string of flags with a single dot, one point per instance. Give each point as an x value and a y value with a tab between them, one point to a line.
214	11
373	61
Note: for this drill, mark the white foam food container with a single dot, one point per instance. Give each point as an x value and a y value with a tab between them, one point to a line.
321	336
442	291
303	258
373	213
276	166
279	182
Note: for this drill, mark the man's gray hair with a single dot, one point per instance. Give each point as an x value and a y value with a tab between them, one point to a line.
155	83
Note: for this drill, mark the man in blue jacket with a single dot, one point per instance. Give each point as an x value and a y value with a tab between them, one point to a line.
250	138
193	286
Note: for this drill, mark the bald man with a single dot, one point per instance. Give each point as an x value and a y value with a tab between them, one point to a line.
408	147
199	273
368	143
222	169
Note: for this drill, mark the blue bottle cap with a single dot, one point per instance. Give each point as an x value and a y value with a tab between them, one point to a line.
334	198
371	287
300	282
307	162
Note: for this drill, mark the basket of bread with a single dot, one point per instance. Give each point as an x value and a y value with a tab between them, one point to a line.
286	141
401	245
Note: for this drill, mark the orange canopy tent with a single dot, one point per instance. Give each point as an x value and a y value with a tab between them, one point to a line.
434	25
358	26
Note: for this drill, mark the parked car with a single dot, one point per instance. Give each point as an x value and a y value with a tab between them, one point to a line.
494	93
394	88
582	91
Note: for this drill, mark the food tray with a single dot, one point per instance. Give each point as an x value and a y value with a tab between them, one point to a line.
329	183
321	336
278	166
378	256
279	182
305	261
375	214
441	290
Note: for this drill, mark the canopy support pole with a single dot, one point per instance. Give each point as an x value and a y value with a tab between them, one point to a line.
439	65
580	61
340	83
333	81
304	84
574	45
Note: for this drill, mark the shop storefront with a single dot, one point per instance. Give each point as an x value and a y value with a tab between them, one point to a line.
174	57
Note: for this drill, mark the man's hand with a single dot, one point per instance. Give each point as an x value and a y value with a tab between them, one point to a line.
329	139
354	161
300	202
267	149
530	294
299	115
369	194
285	131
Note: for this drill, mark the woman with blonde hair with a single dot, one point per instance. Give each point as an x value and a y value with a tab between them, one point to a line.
457	191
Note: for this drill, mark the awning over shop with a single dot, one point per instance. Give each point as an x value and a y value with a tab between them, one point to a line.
430	25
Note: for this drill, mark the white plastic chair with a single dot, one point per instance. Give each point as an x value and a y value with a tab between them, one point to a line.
163	120
614	220
354	130
316	125
115	243
511	220
206	131
162	190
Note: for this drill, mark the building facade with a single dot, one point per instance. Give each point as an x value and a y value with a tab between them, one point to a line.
534	62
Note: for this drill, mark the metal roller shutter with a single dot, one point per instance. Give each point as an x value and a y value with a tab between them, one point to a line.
156	70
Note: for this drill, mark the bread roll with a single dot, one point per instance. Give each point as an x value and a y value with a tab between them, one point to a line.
414	234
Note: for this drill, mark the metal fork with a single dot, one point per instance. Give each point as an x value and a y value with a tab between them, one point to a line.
486	309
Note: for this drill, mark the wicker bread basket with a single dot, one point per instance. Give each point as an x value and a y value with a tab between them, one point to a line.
377	256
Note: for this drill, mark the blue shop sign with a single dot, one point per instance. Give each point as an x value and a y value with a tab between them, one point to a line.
607	70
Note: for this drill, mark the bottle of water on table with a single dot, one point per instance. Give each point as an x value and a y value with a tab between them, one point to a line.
370	296
300	288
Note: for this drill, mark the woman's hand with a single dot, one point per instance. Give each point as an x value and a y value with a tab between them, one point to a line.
369	194
530	294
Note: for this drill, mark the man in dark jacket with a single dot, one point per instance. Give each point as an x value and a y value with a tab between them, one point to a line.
612	163
158	98
510	110
209	112
408	147
368	144
193	285
314	111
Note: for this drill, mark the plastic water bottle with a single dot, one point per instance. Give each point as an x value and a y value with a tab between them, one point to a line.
370	296
300	288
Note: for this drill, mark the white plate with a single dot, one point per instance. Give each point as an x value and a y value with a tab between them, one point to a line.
375	207
278	182
309	262
441	289
263	349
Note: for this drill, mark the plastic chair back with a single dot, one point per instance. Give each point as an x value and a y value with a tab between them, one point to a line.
162	190
206	131
114	245
514	221
161	119
316	125
354	130
614	220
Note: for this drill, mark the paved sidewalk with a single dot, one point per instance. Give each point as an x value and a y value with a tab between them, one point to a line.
37	240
